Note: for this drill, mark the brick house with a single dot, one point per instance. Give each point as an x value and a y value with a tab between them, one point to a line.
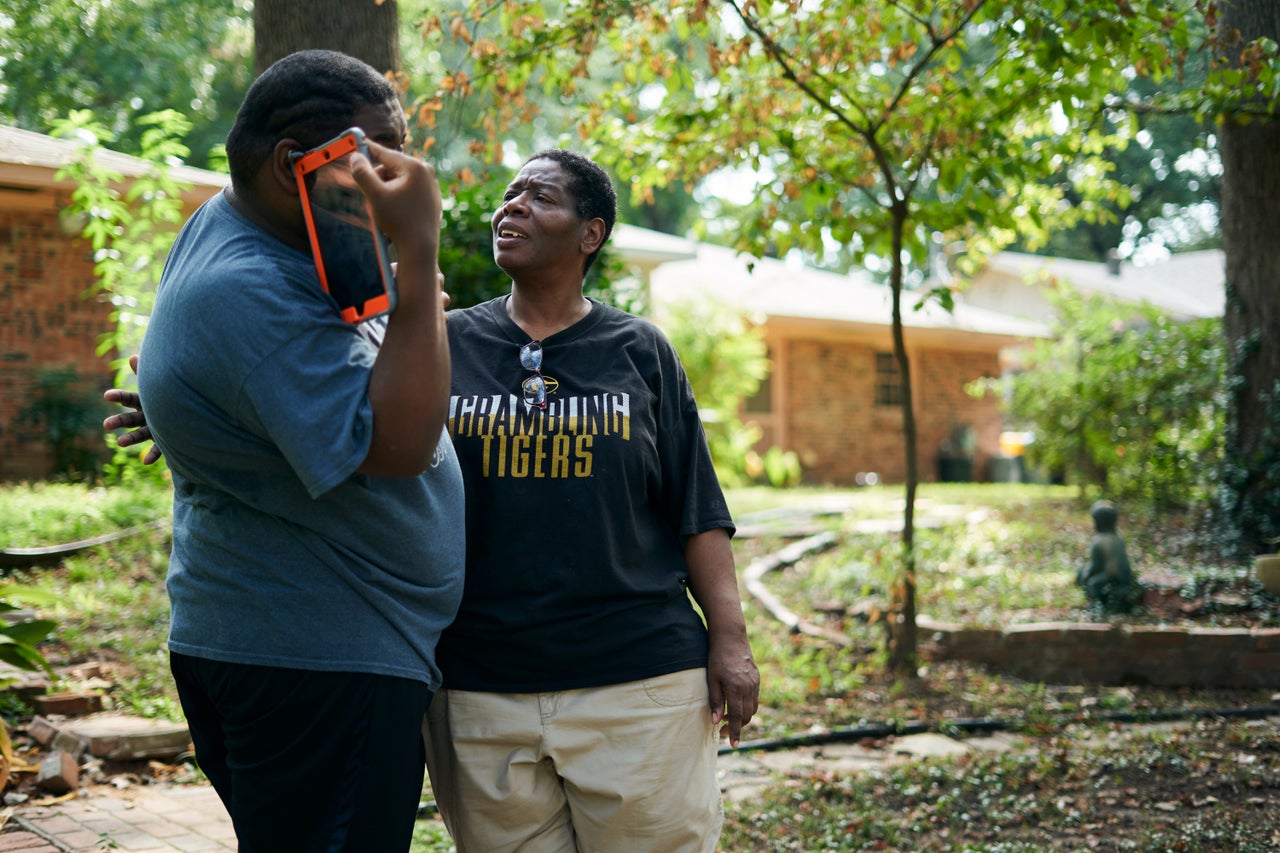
833	396
48	315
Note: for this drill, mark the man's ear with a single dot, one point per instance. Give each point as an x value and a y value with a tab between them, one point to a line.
282	159
592	235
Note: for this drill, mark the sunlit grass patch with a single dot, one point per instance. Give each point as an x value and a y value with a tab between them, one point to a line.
42	514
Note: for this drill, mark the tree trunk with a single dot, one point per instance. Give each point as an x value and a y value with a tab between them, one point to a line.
365	29
1250	492
902	600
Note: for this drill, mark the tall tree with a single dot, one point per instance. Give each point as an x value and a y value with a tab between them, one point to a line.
1171	173
366	29
869	124
125	60
1250	492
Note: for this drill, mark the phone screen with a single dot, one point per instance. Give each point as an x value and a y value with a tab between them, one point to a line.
353	258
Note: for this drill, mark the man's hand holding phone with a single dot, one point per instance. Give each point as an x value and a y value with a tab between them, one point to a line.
409	386
405	198
404	195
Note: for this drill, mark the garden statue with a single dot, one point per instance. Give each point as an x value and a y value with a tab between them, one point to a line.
1107	579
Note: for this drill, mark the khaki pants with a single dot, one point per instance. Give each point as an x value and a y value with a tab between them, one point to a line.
628	768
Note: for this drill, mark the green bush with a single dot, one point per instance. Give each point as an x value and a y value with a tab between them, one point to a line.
18	640
1125	401
726	360
67	415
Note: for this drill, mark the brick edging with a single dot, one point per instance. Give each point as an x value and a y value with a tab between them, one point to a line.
1101	653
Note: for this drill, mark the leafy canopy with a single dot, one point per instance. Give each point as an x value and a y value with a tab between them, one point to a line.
122	60
949	115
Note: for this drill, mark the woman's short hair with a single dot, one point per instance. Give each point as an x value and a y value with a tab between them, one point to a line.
591	187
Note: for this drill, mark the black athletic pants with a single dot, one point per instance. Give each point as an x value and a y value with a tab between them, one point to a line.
308	762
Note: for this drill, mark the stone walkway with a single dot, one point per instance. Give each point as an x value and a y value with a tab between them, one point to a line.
163	818
744	774
172	818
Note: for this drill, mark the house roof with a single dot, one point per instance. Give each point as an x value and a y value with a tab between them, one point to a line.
647	247
1187	284
785	292
30	160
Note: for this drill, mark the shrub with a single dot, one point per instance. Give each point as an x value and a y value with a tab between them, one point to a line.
67	416
1125	400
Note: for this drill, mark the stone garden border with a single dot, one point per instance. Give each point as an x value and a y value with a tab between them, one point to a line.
1081	653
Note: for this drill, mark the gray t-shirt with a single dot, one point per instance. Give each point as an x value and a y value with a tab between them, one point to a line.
257	392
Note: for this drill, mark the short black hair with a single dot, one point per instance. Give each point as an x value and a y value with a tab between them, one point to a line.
310	96
591	187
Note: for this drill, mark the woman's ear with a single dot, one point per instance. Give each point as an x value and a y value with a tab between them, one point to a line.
592	235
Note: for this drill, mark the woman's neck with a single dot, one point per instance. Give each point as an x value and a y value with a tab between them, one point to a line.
541	312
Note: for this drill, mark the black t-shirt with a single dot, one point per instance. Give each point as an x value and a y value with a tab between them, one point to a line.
576	514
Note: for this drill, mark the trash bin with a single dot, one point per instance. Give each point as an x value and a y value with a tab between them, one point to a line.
1005	469
955	469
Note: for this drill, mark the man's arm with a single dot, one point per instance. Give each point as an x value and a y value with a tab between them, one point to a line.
409	385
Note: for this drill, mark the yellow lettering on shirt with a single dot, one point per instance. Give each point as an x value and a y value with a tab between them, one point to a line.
518	441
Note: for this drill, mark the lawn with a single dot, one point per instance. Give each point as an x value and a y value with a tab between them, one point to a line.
989	554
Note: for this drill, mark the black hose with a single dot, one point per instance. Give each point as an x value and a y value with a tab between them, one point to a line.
877	731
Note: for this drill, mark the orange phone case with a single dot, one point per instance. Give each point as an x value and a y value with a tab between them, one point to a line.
353	258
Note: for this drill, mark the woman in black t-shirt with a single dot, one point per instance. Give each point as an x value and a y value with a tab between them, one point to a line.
583	691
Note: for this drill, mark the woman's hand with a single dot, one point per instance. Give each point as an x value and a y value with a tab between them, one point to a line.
135	421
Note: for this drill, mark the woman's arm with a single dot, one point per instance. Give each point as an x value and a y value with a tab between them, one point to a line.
733	680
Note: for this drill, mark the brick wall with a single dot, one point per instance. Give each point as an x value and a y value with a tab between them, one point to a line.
834	424
45	321
942	405
829	390
1075	653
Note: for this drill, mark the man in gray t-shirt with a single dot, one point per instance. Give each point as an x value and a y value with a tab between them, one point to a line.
318	516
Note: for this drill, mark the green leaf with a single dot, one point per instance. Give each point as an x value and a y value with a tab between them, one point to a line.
29	633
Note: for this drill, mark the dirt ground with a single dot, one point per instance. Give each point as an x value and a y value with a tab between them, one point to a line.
1206	784
1087	767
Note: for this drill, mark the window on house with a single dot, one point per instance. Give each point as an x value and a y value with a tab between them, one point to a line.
888	383
761	402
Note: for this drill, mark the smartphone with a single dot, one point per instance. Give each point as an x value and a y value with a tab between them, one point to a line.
353	258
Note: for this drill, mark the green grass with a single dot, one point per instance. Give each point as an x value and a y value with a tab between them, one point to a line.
40	514
430	836
109	601
986	555
112	607
1208	788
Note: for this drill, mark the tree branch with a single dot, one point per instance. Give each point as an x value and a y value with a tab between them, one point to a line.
937	42
779	56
